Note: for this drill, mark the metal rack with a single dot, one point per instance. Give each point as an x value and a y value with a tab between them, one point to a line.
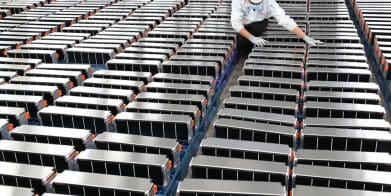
124	75
174	88
79	138
24	175
49	93
83	91
163	108
135	86
95	120
9	190
75	76
208	167
83	183
155	167
242	188
244	149
32	104
58	156
140	144
253	131
342	178
310	190
179	127
115	106
184	99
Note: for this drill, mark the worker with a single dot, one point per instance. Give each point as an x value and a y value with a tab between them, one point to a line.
250	17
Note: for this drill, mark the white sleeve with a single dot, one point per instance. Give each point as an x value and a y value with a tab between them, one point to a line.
237	15
279	14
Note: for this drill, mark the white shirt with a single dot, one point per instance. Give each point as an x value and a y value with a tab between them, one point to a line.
243	12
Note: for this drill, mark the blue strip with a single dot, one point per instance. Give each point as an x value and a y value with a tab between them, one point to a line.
98	67
385	85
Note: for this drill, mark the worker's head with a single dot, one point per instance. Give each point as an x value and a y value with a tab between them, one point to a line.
255	2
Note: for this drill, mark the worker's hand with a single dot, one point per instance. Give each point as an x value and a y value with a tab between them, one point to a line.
257	41
312	42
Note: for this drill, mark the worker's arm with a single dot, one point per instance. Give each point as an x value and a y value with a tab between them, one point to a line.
275	11
244	33
288	23
237	19
297	31
308	40
237	24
